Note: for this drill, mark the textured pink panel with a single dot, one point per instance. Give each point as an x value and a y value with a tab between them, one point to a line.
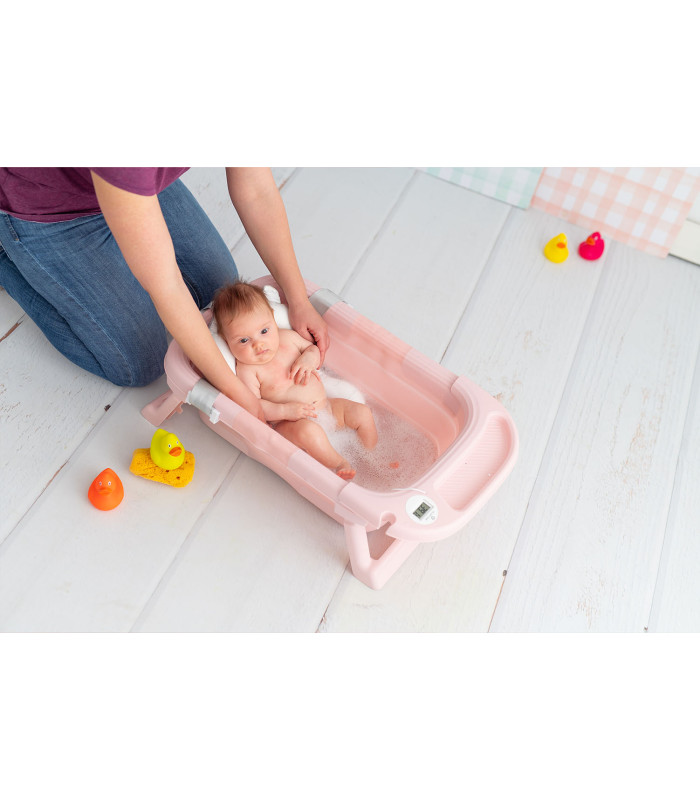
461	486
644	207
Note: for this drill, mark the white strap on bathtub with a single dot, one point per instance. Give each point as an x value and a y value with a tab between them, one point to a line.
202	396
323	299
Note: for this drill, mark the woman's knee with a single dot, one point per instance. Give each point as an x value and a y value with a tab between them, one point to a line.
140	372
135	360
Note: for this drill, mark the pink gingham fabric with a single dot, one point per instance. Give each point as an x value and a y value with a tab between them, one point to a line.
644	207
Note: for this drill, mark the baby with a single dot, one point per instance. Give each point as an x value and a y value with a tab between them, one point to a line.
281	368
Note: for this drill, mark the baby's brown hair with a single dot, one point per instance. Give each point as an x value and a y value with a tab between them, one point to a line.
237	298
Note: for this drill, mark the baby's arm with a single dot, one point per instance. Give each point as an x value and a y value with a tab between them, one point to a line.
275	412
308	361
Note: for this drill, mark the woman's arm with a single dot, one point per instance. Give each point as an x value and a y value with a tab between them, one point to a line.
259	205
144	240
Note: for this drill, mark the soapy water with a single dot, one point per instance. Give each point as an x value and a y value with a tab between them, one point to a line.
402	455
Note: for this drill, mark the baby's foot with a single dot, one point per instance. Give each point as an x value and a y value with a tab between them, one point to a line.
345	471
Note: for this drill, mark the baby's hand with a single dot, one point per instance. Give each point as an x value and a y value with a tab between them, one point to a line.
295	411
302	375
305	366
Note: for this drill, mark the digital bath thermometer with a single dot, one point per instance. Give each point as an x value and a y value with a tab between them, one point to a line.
421	509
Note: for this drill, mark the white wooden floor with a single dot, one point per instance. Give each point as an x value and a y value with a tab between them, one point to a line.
596	529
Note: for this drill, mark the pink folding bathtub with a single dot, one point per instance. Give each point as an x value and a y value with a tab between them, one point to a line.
475	438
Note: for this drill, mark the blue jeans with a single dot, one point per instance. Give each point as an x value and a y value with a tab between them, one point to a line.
72	280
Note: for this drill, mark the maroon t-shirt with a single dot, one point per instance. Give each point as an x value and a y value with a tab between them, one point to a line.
54	194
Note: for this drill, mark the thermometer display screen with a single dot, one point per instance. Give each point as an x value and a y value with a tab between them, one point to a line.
422	509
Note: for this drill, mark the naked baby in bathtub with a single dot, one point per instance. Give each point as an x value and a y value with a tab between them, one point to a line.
281	368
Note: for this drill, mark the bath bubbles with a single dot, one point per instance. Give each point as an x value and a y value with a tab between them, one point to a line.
403	453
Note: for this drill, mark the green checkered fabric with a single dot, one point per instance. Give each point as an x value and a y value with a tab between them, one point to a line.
514	185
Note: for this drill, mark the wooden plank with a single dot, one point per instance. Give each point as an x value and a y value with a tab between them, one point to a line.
418	277
68	566
588	552
208	185
47	408
334	215
676	605
252	565
517	339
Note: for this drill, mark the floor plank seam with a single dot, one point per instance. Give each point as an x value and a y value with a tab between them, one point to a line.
13	328
243	235
5	542
694	387
289	179
495	605
185	545
76	452
324	619
560	409
391	213
475	289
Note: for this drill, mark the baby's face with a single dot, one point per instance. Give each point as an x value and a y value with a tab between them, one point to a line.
253	337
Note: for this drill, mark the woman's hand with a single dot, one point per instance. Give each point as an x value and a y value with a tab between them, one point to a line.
309	324
259	205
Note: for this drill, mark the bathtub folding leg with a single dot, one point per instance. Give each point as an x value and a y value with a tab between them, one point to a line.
162	408
374	572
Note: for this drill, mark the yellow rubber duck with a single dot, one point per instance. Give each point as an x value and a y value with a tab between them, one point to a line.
166	450
556	249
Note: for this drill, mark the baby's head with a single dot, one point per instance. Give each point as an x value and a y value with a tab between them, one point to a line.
245	319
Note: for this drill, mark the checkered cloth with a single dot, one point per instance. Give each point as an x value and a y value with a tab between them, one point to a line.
514	185
643	207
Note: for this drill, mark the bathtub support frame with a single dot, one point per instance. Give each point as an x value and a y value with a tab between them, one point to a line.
374	572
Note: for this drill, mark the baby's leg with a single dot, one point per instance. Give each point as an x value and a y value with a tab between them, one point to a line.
349	414
310	436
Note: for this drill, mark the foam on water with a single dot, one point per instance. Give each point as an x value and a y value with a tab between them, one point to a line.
402	455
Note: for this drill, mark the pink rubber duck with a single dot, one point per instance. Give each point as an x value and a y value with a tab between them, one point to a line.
592	248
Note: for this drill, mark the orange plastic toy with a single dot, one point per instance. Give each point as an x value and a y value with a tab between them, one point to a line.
592	248
106	491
